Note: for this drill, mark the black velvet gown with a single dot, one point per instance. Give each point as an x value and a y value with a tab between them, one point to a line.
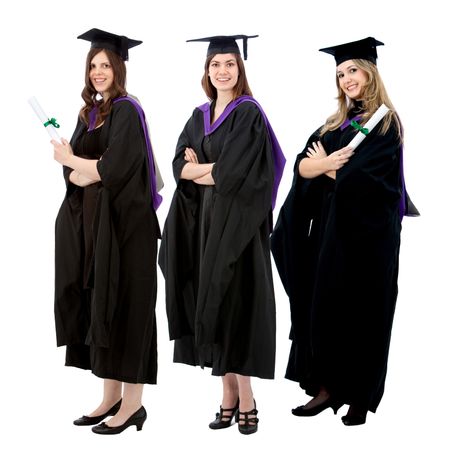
106	246
215	250
336	245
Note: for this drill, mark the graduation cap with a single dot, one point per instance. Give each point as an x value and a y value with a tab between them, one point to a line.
103	39
224	44
365	49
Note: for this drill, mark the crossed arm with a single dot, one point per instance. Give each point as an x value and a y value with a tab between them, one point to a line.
318	162
84	171
200	173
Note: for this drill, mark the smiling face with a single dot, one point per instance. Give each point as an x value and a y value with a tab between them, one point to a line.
352	79
101	74
223	72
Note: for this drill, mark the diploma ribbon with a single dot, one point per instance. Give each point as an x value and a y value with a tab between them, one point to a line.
357	126
51	121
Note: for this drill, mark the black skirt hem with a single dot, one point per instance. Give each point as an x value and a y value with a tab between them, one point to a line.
115	377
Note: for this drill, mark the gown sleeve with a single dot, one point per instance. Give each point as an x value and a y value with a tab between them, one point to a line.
293	223
374	173
183	142
71	188
178	244
121	171
240	159
244	176
124	154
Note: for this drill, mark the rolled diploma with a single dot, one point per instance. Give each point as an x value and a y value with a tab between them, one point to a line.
43	118
373	121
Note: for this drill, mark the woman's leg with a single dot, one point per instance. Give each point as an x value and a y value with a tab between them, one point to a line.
131	402
248	421
318	404
230	400
230	391
246	401
319	399
112	392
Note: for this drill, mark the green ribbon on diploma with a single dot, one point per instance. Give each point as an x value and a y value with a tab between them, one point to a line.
51	121
357	126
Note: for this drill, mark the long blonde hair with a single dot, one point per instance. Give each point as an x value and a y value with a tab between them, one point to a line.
373	95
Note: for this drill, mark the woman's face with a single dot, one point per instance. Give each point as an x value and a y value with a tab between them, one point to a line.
101	73
223	71
352	79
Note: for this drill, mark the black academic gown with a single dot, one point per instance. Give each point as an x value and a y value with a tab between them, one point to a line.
336	246
215	251
108	323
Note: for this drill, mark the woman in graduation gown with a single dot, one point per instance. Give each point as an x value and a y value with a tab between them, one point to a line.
336	245
106	240
215	251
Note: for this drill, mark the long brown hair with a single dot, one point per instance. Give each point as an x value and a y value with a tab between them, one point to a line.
117	89
373	95
241	88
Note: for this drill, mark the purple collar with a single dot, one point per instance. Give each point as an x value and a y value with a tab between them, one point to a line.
92	118
277	154
348	121
206	109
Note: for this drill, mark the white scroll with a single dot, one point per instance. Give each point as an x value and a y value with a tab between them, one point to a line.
49	124
373	121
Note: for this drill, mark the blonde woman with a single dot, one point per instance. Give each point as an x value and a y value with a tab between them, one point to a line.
337	241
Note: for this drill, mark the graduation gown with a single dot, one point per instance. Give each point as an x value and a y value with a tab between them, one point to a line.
215	251
105	308
336	246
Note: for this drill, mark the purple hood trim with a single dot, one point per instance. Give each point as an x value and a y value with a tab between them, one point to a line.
156	198
278	158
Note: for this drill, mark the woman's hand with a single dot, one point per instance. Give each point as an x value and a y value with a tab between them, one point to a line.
319	163
62	152
79	180
190	155
334	161
206	180
195	171
338	159
88	168
316	151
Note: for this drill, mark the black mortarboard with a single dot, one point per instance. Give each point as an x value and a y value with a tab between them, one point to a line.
103	39
365	49
224	44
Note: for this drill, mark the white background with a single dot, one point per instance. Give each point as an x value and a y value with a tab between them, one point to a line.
295	85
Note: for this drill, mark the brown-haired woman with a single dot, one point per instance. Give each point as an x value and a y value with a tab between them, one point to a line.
106	241
336	244
215	252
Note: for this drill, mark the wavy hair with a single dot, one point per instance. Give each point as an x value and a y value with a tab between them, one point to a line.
373	95
117	89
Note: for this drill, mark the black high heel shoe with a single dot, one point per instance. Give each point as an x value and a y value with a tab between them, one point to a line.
89	421
224	420
312	411
250	425
355	416
136	419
